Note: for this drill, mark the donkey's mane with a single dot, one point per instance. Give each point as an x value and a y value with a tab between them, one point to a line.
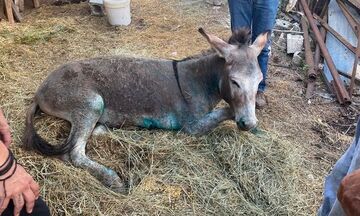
241	36
196	56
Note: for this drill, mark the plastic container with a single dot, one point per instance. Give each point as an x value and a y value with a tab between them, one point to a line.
118	12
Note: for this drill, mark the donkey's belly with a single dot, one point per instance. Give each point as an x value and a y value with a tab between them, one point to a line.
167	121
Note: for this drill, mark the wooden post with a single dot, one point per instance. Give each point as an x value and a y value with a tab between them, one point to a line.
9	13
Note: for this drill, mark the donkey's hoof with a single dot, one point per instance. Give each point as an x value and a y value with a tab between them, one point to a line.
121	190
119	186
65	157
100	130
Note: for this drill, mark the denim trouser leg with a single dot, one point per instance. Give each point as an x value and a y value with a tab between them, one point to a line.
332	181
240	13
259	15
349	162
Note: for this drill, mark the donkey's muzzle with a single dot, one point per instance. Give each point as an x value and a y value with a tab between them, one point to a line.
244	125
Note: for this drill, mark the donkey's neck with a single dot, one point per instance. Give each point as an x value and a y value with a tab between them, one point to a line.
201	76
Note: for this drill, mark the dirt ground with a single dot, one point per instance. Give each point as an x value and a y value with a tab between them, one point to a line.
172	173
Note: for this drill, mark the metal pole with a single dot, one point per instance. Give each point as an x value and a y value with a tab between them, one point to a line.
317	48
308	53
352	21
325	8
309	59
341	91
9	12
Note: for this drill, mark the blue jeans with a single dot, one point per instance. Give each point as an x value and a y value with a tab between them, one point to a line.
348	163
259	16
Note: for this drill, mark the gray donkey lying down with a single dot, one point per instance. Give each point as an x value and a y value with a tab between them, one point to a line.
150	93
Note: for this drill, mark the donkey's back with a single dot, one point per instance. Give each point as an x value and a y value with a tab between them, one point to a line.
129	91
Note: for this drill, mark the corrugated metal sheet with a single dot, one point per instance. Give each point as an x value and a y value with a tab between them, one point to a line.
342	57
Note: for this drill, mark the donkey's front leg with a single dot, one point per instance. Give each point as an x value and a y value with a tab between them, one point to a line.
209	121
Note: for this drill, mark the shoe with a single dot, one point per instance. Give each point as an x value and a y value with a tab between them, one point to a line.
260	100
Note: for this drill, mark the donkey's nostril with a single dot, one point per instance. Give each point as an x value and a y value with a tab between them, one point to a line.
241	124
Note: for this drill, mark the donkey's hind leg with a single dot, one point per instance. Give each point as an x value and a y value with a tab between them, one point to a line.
82	127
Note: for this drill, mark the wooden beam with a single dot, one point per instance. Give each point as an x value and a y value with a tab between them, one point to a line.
9	11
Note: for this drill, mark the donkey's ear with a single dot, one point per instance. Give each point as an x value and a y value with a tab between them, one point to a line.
260	42
221	47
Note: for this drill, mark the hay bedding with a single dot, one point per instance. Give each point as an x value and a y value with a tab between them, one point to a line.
226	172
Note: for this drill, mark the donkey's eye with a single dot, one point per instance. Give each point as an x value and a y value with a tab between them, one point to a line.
235	83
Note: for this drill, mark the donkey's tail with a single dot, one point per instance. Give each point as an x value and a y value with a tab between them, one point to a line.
32	140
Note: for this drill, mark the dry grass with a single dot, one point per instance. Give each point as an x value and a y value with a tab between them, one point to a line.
223	173
276	172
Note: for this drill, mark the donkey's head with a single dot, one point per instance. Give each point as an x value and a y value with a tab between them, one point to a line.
239	83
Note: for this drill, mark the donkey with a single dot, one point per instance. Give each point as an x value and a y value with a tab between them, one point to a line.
150	93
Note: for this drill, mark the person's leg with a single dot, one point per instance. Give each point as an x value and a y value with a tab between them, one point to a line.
40	209
240	13
332	181
348	162
264	15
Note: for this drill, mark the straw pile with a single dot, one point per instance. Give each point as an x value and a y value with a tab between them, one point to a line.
226	172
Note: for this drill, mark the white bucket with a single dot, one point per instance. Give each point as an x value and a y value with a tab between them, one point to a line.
118	11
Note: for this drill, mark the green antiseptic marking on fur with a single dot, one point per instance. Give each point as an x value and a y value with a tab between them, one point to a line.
98	104
150	123
169	122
